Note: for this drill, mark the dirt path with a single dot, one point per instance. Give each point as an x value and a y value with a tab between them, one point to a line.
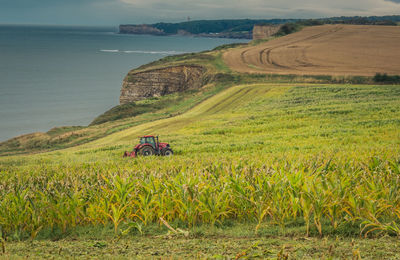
324	50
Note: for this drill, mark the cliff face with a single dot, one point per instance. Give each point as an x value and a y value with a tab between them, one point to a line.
140	29
160	82
264	31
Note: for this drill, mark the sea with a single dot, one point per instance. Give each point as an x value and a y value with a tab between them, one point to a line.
66	76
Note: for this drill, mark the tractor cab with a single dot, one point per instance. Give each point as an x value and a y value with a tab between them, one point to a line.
148	140
150	145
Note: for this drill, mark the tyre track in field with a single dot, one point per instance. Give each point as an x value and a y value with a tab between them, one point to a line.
225	102
323	50
229	103
268	51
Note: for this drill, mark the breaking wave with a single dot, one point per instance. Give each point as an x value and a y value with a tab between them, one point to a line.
147	52
109	50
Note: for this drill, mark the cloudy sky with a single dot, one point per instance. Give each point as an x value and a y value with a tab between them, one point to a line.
113	12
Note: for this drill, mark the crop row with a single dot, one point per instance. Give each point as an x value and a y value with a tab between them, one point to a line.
319	191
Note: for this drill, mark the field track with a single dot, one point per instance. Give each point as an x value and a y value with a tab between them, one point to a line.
217	106
336	50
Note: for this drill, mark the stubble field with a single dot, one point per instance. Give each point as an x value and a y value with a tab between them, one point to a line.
353	50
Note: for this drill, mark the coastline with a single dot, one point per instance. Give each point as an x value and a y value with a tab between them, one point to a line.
149	30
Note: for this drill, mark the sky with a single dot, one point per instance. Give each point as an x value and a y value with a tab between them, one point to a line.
114	12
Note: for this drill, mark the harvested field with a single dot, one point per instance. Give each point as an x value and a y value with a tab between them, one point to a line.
341	50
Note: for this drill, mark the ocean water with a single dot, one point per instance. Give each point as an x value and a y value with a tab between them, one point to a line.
61	76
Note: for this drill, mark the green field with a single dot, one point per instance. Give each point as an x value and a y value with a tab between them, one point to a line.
270	170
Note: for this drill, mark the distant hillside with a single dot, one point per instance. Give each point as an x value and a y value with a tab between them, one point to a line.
210	28
242	28
371	20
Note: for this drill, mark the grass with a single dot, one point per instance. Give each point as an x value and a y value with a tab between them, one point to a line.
151	105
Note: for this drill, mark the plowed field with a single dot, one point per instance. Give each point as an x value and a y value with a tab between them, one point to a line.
324	50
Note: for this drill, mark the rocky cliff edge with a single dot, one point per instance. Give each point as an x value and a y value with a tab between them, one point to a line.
159	82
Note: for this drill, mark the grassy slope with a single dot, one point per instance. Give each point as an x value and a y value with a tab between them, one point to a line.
280	118
277	118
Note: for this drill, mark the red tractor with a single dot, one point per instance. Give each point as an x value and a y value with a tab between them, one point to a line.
149	145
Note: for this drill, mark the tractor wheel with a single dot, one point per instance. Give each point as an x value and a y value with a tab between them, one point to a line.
167	152
146	151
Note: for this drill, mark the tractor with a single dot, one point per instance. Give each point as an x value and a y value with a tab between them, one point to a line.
149	145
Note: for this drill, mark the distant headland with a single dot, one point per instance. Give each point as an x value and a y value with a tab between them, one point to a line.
242	28
239	29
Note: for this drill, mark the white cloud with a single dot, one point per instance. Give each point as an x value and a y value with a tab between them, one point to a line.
268	9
